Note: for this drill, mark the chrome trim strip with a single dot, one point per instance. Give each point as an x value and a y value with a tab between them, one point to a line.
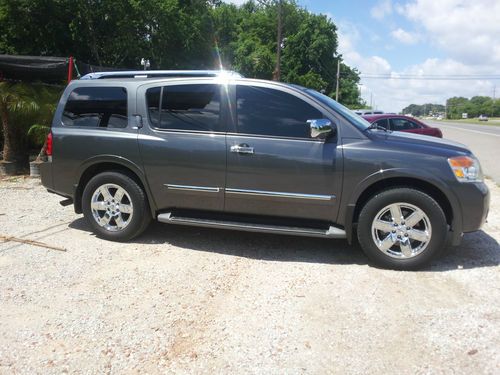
332	232
204	189
278	194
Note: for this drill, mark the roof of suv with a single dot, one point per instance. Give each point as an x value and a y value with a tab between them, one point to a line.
145	74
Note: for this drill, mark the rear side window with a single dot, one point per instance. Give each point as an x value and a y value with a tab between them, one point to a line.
96	107
403	124
185	107
272	112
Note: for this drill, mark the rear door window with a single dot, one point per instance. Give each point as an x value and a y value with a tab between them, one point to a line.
185	107
96	107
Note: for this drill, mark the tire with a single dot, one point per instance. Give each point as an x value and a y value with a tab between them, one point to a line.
389	242
120	215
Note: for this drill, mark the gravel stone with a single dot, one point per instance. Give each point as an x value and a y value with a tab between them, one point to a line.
190	300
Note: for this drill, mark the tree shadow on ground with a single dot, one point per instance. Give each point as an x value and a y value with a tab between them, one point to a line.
477	249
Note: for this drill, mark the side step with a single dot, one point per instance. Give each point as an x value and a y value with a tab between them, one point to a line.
332	232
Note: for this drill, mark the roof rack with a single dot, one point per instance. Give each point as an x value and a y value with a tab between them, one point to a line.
143	74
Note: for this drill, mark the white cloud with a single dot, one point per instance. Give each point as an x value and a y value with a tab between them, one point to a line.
395	93
467	30
381	10
404	36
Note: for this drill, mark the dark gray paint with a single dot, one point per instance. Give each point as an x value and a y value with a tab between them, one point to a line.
342	167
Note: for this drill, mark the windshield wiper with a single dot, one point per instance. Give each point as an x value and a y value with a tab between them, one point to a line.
378	127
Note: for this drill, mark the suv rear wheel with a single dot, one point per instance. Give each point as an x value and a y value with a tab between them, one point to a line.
402	228
115	206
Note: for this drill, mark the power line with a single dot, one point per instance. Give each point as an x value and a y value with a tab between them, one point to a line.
432	75
451	77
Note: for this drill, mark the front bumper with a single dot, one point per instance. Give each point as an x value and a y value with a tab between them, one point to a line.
474	200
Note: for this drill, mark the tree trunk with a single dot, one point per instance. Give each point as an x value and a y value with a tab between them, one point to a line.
8	146
42	152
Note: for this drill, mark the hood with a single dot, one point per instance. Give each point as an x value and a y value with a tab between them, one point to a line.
411	140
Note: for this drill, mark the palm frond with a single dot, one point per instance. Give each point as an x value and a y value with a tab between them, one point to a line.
38	133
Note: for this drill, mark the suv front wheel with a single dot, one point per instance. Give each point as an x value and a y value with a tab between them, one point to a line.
402	228
115	206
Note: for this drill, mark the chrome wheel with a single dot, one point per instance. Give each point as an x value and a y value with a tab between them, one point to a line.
401	230
111	207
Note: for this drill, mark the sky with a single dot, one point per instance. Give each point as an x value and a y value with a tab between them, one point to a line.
415	39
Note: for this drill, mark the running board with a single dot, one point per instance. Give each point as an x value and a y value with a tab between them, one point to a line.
332	232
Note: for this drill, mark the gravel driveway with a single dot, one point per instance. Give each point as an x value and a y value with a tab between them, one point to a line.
190	300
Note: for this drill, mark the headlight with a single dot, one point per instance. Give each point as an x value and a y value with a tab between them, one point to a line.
466	168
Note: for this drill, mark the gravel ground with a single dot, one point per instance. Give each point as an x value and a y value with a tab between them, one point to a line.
190	300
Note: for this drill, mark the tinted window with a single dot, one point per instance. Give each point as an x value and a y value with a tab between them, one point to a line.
272	112
185	107
383	123
96	107
403	124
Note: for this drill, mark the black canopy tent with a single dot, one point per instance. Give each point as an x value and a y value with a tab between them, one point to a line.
46	69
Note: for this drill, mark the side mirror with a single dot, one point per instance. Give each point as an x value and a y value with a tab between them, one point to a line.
320	128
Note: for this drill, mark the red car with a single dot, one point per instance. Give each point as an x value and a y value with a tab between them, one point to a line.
403	123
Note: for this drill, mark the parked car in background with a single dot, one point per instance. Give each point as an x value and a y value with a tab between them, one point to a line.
403	124
364	112
483	118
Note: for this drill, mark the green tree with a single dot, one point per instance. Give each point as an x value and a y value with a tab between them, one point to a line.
182	34
424	109
246	37
46	98
16	100
456	106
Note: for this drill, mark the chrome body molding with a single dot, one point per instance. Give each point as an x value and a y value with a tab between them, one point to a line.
204	189
278	194
262	193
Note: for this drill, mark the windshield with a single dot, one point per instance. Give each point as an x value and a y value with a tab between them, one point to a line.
353	118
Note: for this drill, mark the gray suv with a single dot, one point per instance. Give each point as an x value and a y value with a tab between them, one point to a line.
213	149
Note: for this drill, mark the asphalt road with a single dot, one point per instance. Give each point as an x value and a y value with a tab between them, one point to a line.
483	140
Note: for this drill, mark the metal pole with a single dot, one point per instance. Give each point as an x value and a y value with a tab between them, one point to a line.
493	101
277	69
338	80
70	69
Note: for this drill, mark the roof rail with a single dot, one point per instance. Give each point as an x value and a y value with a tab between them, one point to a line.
142	74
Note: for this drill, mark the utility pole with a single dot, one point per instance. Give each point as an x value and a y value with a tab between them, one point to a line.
371	99
493	101
277	69
338	79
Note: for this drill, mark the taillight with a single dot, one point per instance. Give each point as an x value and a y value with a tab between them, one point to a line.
48	151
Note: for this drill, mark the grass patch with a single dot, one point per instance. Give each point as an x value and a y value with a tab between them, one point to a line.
493	121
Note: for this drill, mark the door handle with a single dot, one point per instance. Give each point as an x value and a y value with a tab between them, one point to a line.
242	149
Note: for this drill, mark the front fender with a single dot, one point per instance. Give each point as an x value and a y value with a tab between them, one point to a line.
348	206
